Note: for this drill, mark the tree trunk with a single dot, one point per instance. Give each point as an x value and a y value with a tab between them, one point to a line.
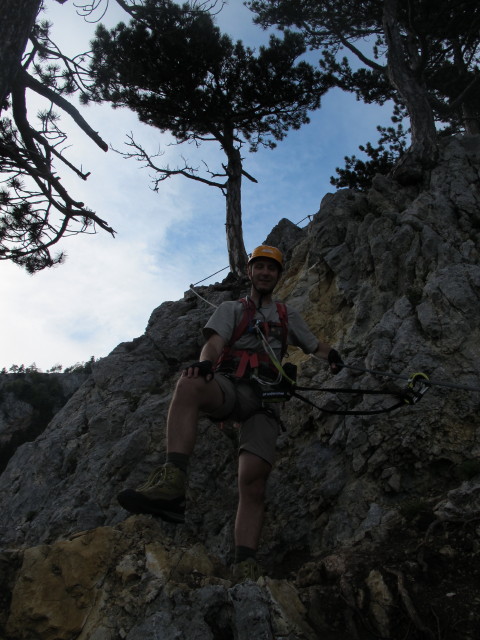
471	118
470	112
237	255
18	18
423	151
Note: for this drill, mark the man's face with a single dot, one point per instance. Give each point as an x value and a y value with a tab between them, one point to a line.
264	274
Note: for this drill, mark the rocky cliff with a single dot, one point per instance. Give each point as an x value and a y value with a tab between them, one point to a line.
373	521
28	401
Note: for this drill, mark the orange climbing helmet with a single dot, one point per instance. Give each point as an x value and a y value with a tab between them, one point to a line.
264	251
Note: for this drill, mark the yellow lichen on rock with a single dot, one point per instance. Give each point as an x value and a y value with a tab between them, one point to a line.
58	585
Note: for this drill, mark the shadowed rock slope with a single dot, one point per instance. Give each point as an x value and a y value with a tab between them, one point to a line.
373	522
28	401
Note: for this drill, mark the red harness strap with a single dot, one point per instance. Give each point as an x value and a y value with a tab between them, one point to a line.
245	357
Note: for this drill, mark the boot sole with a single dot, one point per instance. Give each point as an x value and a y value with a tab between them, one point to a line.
135	502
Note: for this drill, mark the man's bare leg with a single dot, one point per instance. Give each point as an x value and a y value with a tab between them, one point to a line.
163	494
192	395
253	473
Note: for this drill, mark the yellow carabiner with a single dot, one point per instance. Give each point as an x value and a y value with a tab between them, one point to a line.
416	394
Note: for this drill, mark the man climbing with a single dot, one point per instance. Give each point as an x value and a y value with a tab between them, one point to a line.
244	340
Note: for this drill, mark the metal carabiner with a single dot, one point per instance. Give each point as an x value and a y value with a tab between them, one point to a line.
412	394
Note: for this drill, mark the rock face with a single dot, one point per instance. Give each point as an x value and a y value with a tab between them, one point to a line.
28	401
373	521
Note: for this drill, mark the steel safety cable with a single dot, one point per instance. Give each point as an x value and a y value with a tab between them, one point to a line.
388	374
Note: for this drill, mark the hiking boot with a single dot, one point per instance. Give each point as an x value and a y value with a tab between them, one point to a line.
162	495
248	569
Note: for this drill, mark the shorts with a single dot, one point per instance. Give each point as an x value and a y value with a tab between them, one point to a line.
259	425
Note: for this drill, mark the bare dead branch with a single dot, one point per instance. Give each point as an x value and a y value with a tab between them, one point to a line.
164	173
32	83
250	177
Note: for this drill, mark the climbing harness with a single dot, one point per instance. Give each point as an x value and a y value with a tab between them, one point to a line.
279	390
242	362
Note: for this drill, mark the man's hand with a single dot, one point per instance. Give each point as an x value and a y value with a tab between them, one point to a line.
203	368
335	361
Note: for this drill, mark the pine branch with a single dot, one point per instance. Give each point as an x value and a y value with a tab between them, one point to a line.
32	83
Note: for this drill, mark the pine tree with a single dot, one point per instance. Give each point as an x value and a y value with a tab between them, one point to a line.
36	210
422	54
179	73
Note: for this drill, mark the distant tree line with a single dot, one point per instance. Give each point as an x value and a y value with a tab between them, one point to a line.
79	367
45	394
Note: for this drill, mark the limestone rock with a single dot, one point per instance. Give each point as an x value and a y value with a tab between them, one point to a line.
28	401
91	585
285	235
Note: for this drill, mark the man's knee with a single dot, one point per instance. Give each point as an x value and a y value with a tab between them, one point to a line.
199	392
190	386
253	475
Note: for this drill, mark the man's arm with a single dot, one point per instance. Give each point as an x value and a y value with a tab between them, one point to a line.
212	348
209	355
326	352
323	350
301	336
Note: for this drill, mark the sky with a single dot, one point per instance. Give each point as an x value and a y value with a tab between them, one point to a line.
165	241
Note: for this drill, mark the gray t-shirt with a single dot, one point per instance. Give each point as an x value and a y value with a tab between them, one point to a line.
229	314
